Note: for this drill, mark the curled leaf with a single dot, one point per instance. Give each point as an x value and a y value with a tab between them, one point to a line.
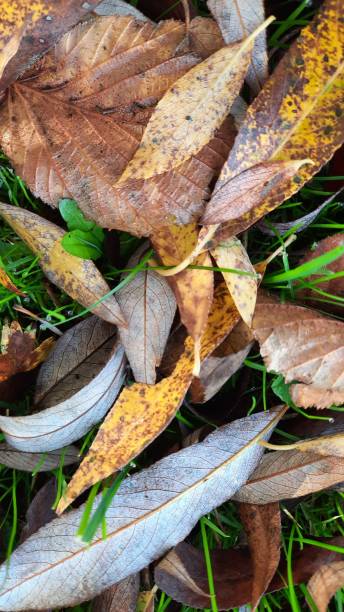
19	352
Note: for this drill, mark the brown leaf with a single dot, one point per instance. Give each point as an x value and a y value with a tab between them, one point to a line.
44	22
182	574
291	474
205	36
297	115
142	411
149	306
122	597
103	96
79	278
145	602
243	289
324	583
262	525
6	282
19	353
304	346
222	364
186	118
333	286
237	20
40	510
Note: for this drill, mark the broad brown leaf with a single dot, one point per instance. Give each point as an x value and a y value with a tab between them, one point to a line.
42	22
122	597
142	411
149	306
237	19
297	115
324	583
205	37
262	525
182	574
304	346
79	278
19	352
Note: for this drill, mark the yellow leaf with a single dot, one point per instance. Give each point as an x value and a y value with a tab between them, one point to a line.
187	116
79	278
143	411
243	288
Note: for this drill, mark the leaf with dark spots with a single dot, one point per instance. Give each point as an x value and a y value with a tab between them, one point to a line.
79	278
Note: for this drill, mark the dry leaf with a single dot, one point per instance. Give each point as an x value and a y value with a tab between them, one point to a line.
324	583
118	7
79	278
142	412
9	50
289	475
149	306
307	348
237	20
182	574
19	352
6	282
297	115
334	286
71	418
145	602
243	289
29	462
40	510
222	364
121	597
205	36
187	116
263	529
151	512
323	445
78	357
44	22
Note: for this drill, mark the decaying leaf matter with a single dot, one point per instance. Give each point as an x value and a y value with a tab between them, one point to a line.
173	493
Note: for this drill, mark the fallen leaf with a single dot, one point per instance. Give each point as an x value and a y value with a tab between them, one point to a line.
121	597
243	288
149	306
78	357
29	462
304	346
182	574
334	286
205	36
263	529
79	278
237	20
19	352
118	7
289	475
187	116
297	114
145	602
44	22
221	364
71	418
323	445
151	512
40	510
142	411
6	282
325	582
9	50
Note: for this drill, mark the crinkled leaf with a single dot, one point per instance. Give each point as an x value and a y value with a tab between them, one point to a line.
151	512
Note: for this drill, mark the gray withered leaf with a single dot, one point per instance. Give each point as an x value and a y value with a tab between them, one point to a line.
152	511
149	306
290	474
40	462
69	419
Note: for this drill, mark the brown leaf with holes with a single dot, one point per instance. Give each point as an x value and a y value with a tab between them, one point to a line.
304	346
325	582
262	525
19	352
142	411
182	573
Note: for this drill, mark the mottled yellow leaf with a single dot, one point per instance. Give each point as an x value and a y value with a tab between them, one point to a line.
79	278
243	288
143	411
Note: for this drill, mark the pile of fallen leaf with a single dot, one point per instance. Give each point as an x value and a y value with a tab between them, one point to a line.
142	124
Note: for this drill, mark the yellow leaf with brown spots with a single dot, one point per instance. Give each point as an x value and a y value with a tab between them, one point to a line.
243	288
297	115
79	278
43	20
193	288
188	115
143	411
